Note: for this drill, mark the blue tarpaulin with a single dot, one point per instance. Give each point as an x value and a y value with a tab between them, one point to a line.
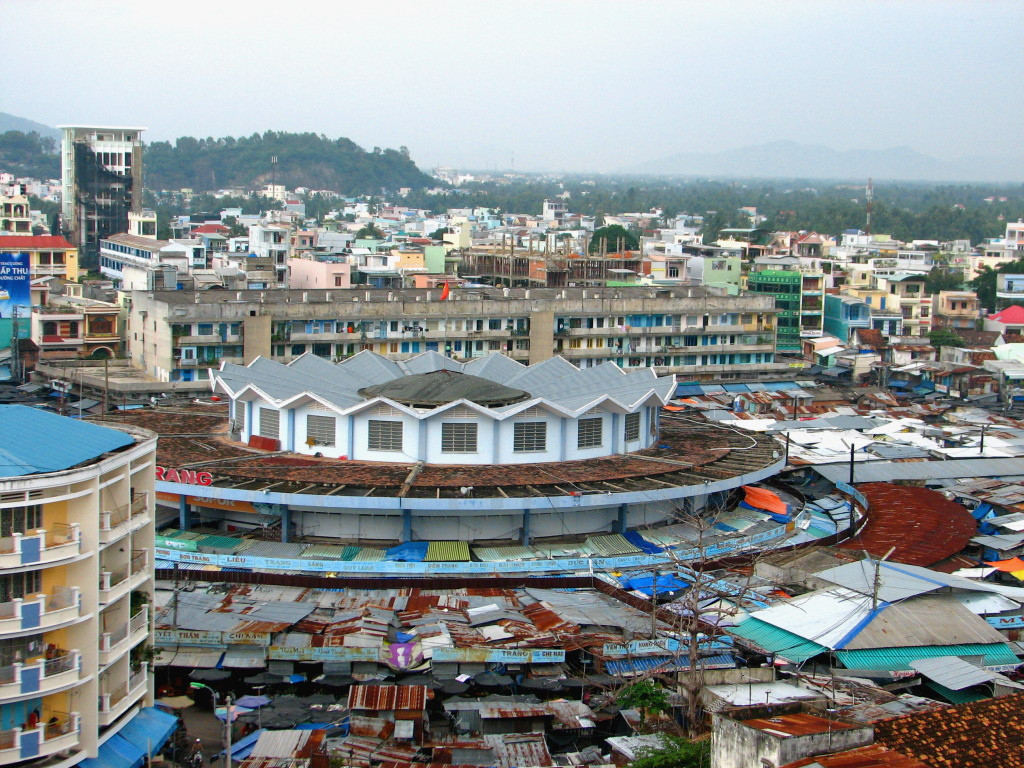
410	552
150	726
638	541
116	752
242	748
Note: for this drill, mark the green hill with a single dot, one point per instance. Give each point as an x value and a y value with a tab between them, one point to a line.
303	160
29	154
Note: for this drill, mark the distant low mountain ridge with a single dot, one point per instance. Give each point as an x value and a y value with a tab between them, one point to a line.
789	159
15	123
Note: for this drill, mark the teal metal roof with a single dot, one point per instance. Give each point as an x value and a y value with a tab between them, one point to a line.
897	659
779	641
34	441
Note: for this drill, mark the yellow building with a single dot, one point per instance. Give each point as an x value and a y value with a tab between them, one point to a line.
50	255
76	579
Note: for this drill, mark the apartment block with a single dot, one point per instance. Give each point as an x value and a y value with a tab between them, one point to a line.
691	330
76	575
101	182
49	255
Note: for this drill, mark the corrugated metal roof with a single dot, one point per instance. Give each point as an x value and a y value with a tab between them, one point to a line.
60	442
777	640
497	554
519	749
244	657
197	659
953	672
447	552
610	544
898	659
887	471
280	744
387	698
369	555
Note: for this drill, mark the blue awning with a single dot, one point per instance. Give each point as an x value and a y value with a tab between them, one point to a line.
151	727
116	752
688	390
242	748
898	384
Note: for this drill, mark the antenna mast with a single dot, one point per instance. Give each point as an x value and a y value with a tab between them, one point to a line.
870	197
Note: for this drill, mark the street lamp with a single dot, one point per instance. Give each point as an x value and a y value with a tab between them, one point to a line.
227	718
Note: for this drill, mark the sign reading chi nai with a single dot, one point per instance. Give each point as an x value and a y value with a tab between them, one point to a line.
189	476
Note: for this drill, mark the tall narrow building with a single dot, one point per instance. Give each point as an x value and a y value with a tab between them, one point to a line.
76	580
101	183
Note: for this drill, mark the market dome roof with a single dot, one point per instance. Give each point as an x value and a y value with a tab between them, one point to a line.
428	390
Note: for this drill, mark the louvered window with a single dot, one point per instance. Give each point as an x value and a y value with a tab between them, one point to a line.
632	427
588	433
270	423
458	437
530	436
385	435
320	430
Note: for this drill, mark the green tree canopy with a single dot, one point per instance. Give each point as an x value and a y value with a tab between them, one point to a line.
677	753
646	696
945	337
616	237
943	279
986	281
438	234
370	232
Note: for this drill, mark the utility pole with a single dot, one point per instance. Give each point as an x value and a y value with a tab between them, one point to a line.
106	383
981	445
852	448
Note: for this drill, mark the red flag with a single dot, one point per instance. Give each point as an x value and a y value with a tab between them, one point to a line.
445	291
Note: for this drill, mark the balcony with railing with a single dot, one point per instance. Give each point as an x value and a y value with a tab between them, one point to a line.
117	582
41	676
59	734
114	644
114	702
53	544
40	611
128	517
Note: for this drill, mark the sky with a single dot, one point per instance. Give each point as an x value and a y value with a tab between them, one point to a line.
559	85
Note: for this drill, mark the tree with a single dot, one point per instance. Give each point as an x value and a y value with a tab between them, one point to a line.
945	337
985	283
438	234
646	696
370	232
615	238
943	279
676	753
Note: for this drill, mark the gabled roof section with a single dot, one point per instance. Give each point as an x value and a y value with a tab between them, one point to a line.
1013	314
554	384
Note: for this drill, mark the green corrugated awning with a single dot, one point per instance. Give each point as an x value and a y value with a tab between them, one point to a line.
898	659
778	641
447	552
956	697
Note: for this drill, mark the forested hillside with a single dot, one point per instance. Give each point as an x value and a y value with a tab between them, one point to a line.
29	154
303	160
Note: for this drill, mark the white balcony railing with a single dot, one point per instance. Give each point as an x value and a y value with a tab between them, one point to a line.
120	639
114	702
115	521
59	734
40	611
41	676
49	545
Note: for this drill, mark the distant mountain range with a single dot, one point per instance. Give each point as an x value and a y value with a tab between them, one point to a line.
791	160
15	123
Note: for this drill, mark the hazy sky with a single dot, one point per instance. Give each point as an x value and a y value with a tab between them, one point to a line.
557	84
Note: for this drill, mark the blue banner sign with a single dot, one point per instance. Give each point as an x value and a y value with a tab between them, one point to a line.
15	295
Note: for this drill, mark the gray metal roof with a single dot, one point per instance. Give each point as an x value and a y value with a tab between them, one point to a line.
356	380
887	471
953	672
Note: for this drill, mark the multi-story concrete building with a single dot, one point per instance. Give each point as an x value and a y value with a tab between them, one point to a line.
270	244
908	289
76	537
1009	290
797	293
15	214
49	255
101	182
955	309
72	326
176	336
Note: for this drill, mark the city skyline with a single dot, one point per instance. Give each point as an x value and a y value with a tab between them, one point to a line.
576	87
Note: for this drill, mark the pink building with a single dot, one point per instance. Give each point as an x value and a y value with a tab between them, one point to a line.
307	273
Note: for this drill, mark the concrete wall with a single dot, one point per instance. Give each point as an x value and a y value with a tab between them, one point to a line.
735	745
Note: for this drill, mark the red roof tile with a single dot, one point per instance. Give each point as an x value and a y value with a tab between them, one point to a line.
1014	314
982	734
30	242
